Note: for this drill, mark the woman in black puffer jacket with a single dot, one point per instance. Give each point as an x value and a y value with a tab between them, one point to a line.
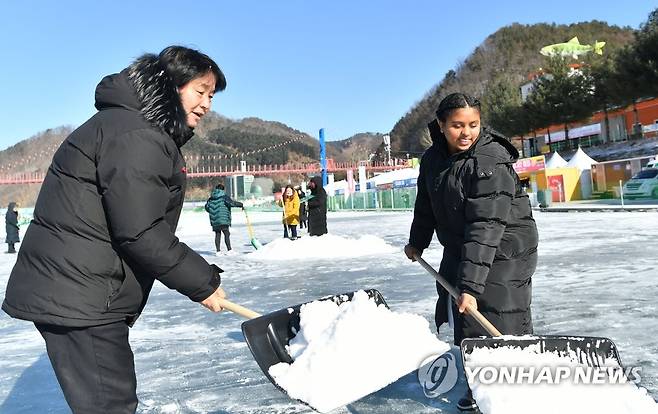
469	194
104	227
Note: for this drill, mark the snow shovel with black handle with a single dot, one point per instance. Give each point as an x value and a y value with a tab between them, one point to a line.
589	351
268	335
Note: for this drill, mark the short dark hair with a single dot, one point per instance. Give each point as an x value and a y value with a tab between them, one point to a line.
220	186
455	101
184	64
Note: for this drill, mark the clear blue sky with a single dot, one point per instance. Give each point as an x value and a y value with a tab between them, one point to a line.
346	65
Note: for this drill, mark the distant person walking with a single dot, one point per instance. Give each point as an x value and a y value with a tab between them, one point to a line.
11	223
104	227
291	211
317	208
218	207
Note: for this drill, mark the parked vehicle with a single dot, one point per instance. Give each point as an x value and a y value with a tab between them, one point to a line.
643	184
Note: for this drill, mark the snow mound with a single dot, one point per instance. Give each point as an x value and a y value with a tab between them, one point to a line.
322	247
345	352
550	383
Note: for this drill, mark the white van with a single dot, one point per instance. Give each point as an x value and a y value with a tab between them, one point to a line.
644	183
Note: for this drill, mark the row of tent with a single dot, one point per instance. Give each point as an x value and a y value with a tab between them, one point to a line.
583	163
579	160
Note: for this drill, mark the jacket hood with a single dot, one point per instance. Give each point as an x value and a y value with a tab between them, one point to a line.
217	193
144	86
318	184
488	136
10	208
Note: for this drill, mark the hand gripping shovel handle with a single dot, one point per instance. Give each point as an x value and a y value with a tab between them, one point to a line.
484	322
238	309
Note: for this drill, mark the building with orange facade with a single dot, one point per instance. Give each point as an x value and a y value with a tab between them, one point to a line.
624	123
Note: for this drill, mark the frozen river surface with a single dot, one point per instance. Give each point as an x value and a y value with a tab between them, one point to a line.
597	276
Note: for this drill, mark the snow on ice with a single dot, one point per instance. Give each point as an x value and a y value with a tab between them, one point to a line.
345	352
596	277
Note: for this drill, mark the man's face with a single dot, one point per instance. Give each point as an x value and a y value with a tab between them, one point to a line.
311	185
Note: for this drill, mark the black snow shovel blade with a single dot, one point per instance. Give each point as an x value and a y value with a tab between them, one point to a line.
268	335
589	351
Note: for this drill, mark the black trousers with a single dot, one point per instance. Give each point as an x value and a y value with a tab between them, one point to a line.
218	237
94	366
292	228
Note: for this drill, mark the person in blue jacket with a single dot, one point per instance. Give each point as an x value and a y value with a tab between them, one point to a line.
218	207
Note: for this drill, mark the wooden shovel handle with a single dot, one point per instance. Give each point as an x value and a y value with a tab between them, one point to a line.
484	322
238	309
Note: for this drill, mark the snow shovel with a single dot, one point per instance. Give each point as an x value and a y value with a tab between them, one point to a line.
591	351
267	335
252	238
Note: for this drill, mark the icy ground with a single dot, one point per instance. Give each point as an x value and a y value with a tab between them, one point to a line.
597	275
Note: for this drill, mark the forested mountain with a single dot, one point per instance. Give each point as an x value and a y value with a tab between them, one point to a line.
506	57
498	66
254	140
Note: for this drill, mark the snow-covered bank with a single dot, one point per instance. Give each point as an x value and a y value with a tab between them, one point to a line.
328	246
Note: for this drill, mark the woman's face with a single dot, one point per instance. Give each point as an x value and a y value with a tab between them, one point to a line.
461	128
196	97
289	192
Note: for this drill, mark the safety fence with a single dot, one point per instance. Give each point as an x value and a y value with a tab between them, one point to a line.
380	199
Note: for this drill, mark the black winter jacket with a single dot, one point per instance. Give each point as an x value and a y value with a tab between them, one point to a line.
11	224
317	209
474	202
104	221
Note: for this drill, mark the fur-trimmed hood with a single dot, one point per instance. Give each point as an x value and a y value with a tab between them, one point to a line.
145	87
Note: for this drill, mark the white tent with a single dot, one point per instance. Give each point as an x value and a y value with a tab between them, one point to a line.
583	162
556	161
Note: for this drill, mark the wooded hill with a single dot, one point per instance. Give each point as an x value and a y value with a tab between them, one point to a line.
507	56
216	135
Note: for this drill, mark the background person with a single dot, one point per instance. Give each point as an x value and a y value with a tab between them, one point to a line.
104	223
303	212
218	207
469	194
291	210
11	226
317	208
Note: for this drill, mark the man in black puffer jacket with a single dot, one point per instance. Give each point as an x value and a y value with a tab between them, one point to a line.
104	223
469	194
